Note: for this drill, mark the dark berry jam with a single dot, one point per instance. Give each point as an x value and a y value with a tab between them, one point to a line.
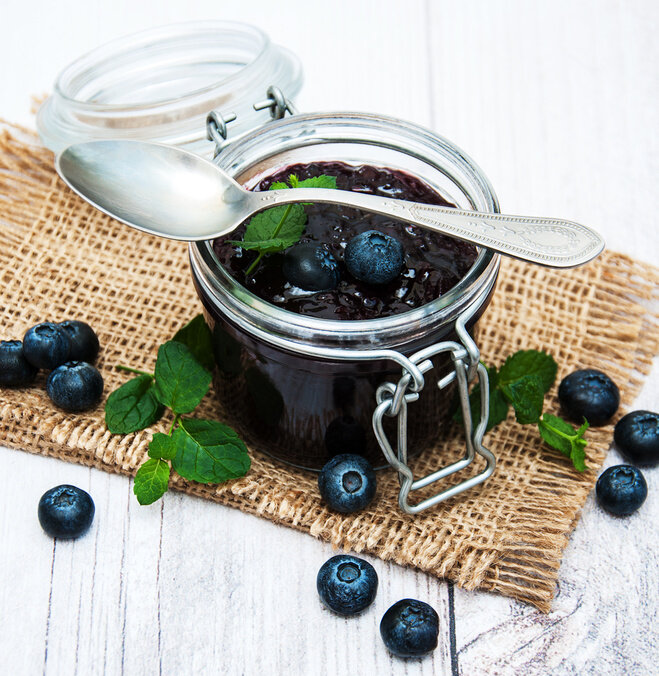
434	263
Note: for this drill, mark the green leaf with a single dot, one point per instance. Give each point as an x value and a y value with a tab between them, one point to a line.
529	363
181	381
151	481
527	397
133	406
322	181
498	409
281	227
209	451
196	336
564	438
260	231
318	182
162	446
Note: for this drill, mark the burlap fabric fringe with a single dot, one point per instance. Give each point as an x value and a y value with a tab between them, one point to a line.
60	259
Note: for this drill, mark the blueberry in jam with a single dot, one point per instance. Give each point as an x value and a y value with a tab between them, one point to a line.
311	267
374	258
432	263
305	409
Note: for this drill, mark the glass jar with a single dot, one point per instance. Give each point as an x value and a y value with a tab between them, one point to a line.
308	388
159	85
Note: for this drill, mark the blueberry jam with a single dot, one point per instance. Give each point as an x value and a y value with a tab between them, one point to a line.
305	409
433	263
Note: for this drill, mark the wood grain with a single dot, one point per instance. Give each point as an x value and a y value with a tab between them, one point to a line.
558	102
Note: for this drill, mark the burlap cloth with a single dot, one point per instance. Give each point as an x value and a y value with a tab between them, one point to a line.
59	259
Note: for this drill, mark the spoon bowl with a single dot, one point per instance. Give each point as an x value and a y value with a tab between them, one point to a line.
173	193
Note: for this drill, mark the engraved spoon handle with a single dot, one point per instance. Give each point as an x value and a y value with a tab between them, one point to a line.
552	242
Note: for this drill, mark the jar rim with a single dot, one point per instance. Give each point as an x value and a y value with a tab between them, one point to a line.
151	36
237	300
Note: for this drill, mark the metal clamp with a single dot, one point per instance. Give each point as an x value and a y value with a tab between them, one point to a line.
279	105
393	399
216	122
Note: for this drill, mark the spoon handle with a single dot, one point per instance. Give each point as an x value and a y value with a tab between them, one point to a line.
552	242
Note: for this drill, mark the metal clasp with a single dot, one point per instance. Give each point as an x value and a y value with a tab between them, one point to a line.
393	399
216	122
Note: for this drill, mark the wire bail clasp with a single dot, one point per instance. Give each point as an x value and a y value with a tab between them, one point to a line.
393	399
216	122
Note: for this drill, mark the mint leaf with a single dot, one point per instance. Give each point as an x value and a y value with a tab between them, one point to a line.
527	397
133	406
181	381
209	451
162	446
279	228
498	409
274	229
151	481
196	336
564	438
529	363
318	182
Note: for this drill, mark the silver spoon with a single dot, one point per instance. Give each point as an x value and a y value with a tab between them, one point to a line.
172	193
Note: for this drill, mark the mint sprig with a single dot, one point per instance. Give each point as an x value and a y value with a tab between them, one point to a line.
522	382
564	438
134	406
200	450
281	227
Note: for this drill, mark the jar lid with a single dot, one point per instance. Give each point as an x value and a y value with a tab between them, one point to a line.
159	85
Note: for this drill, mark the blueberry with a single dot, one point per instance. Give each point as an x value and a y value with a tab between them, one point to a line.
410	628
347	483
65	511
311	267
84	342
621	489
374	257
75	386
46	345
589	394
346	584
15	369
637	437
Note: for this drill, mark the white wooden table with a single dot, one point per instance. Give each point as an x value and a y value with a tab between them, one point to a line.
558	102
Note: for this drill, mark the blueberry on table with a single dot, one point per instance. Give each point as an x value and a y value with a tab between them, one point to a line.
637	437
46	345
75	386
346	584
15	369
410	628
374	257
347	483
84	341
65	511
621	489
589	394
311	267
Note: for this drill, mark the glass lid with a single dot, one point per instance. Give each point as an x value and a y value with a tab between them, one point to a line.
159	85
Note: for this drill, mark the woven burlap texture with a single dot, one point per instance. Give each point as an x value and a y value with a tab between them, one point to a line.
60	258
